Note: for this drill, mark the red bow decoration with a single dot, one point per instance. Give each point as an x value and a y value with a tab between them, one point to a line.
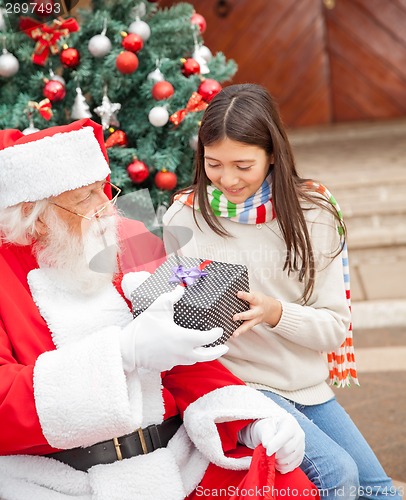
44	108
194	104
47	36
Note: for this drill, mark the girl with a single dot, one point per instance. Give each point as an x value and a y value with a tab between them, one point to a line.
248	205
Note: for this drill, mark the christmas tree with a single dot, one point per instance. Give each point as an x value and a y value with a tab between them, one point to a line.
140	70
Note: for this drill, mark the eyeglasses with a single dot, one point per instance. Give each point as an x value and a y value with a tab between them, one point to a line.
113	201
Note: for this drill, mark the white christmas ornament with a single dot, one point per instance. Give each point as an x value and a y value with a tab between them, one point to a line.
158	116
80	108
107	112
58	78
99	45
140	28
205	53
30	129
156	75
9	64
204	69
138	11
193	142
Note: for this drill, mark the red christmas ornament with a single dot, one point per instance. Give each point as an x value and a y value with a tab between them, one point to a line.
70	58
137	171
127	62
54	90
162	90
43	8
166	180
190	67
200	21
208	89
132	42
116	138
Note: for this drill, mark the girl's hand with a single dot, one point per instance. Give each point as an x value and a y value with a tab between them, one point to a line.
263	309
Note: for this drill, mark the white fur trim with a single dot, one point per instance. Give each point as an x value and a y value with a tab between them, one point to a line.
153	405
81	393
50	166
71	316
224	405
192	464
171	473
145	477
24	477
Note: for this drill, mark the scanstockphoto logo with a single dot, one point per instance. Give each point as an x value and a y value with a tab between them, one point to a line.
255	492
45	11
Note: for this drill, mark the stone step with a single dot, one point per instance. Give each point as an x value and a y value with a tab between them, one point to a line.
347	156
364	202
347	132
379	230
378	273
364	166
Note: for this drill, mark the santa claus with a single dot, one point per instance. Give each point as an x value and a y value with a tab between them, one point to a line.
93	403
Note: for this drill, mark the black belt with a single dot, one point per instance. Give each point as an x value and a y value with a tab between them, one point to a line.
139	442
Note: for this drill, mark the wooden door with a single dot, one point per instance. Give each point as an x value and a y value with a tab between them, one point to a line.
366	43
323	65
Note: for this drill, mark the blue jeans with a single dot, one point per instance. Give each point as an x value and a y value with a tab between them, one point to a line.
337	459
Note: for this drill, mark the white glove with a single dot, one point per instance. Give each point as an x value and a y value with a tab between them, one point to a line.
154	341
133	280
281	435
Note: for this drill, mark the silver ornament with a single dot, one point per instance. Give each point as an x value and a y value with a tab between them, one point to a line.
99	45
140	28
204	69
158	116
57	78
156	75
80	108
9	64
107	112
30	130
138	11
193	142
205	53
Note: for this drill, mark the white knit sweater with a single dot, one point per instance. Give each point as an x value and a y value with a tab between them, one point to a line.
288	359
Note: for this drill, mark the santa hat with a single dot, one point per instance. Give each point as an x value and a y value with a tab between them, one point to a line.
49	162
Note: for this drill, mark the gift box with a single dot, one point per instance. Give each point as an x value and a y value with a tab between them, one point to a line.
210	299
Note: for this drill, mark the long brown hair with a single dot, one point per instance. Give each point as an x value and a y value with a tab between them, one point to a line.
248	114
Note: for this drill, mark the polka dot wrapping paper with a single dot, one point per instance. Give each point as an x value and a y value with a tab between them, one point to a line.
211	301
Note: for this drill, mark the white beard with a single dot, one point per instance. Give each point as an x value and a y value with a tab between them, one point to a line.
84	263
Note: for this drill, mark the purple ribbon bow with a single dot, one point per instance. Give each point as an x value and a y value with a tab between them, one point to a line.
186	276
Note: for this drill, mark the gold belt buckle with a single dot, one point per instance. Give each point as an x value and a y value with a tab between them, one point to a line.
117	447
142	440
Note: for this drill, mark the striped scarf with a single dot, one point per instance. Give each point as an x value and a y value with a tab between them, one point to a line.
258	209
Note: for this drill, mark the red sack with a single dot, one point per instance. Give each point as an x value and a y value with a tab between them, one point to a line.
258	484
